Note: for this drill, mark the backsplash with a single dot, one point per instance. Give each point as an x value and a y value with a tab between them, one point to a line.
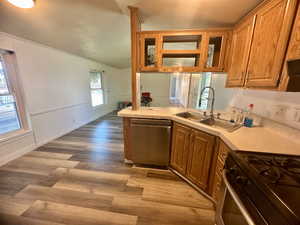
283	107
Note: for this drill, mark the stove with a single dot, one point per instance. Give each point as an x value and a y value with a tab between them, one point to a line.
275	169
267	186
279	177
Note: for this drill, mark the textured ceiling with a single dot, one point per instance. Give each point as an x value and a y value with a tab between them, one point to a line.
99	29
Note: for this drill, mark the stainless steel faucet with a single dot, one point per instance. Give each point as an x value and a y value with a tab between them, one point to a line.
212	102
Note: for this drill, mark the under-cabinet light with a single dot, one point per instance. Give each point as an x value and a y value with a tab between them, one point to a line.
25	4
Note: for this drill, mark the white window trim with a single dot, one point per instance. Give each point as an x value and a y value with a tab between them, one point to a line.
102	88
11	72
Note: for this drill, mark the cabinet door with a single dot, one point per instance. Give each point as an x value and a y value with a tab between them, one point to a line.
149	52
215	48
293	52
180	147
240	49
126	136
271	33
200	158
222	151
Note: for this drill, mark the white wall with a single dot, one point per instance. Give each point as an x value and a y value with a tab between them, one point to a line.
56	91
223	95
283	107
158	84
123	85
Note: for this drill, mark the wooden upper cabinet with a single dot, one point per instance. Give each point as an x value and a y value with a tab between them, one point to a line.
215	48
240	49
292	83
200	157
272	29
182	51
149	50
180	146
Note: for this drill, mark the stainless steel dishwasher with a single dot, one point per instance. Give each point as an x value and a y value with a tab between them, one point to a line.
151	141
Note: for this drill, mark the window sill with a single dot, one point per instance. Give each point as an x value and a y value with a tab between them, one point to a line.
98	106
14	135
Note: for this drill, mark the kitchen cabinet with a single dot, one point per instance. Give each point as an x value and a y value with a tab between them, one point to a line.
292	83
222	151
270	38
149	47
200	151
240	49
192	153
215	48
197	156
183	51
180	146
258	47
126	136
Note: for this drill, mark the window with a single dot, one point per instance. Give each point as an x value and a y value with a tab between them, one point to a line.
10	100
204	82
179	88
96	87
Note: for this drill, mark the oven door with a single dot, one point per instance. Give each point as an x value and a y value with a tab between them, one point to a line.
231	210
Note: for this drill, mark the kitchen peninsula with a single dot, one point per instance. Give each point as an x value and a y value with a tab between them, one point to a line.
268	139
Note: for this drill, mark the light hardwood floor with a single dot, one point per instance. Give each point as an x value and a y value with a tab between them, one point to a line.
80	179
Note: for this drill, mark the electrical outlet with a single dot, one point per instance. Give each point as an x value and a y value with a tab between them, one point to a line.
296	116
279	111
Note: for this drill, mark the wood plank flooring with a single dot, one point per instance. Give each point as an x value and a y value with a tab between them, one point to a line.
80	179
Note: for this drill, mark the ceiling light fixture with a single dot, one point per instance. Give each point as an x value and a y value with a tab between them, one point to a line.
25	4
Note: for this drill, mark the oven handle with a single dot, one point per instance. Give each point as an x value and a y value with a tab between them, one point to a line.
237	200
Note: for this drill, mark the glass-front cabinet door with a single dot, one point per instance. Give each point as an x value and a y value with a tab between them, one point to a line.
215	52
149	52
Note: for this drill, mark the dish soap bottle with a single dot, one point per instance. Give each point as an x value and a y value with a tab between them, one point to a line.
248	122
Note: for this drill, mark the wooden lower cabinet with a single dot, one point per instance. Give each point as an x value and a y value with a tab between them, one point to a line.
180	144
200	155
192	153
126	136
217	166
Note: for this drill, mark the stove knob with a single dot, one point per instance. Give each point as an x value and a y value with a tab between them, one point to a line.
233	171
242	180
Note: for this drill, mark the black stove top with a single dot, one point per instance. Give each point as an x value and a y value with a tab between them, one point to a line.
278	176
276	169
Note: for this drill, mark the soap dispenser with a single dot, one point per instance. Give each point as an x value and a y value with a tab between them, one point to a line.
248	122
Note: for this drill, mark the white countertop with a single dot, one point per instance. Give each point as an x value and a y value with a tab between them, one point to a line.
257	139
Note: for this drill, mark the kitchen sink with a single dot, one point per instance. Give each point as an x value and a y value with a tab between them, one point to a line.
191	116
221	123
207	120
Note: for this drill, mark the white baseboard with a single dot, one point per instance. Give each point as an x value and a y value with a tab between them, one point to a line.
20	152
69	130
16	154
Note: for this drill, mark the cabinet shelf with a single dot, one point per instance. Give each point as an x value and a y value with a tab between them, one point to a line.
180	53
182	38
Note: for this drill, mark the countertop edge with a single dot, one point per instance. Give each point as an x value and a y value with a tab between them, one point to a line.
222	134
186	122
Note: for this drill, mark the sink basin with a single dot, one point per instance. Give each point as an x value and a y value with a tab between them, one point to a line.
216	122
191	116
221	123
